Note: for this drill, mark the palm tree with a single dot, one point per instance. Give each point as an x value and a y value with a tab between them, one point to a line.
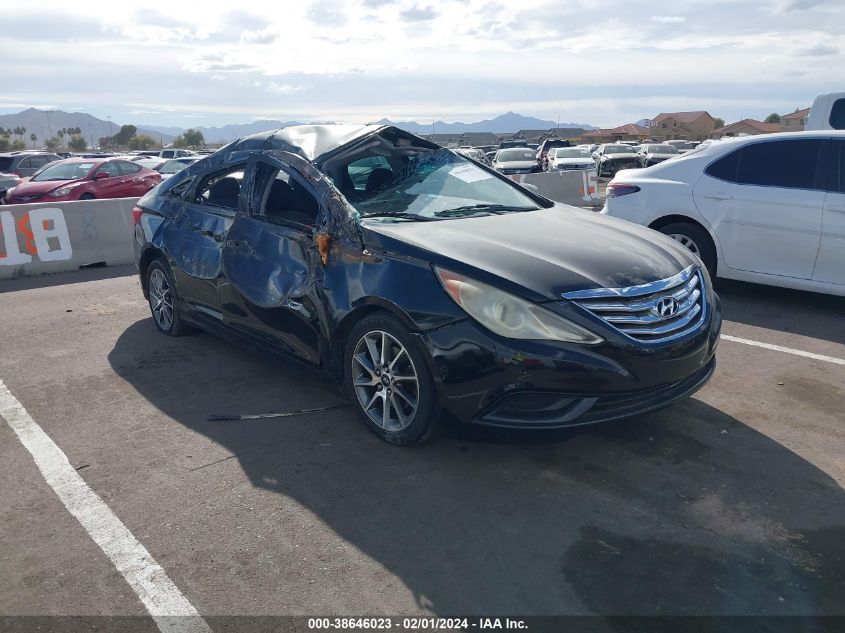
33	138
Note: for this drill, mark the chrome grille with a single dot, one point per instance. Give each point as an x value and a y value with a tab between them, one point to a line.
656	312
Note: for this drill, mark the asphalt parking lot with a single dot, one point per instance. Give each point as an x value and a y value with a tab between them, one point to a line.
729	503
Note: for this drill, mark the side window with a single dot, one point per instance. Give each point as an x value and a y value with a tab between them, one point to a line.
285	199
726	167
790	164
26	163
110	168
221	189
38	162
368	174
837	115
127	168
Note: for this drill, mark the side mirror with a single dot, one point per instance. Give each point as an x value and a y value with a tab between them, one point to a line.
531	187
102	174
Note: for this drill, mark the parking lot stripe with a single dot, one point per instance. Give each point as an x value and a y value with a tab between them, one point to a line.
786	350
165	603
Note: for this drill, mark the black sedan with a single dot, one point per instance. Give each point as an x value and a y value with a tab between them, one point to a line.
427	285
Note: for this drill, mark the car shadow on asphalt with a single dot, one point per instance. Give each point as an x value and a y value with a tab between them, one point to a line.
809	314
685	511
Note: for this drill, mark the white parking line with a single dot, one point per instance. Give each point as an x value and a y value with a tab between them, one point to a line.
165	603
786	350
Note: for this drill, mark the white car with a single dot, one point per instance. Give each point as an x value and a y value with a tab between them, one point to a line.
827	113
516	160
169	167
768	209
567	158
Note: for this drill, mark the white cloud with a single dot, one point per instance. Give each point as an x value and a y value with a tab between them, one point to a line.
363	59
668	19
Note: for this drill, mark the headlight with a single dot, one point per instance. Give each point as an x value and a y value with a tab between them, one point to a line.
56	193
511	316
9	192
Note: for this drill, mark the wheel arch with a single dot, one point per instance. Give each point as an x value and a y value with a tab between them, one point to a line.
666	220
150	254
362	308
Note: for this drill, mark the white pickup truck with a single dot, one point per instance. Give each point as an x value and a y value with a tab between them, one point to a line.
827	113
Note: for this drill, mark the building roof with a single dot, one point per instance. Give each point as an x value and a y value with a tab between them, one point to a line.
567	132
598	133
683	117
798	114
764	128
631	128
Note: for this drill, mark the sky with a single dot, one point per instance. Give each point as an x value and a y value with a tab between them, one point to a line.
605	63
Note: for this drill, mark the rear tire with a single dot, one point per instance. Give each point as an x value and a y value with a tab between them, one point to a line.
163	299
389	382
695	239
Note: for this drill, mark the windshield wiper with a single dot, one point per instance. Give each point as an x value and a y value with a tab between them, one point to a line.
469	209
399	214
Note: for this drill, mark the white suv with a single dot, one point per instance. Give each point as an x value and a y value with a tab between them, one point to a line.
768	209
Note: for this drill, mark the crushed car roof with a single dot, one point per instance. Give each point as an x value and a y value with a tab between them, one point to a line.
309	141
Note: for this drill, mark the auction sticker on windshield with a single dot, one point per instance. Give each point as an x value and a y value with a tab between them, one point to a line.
469	173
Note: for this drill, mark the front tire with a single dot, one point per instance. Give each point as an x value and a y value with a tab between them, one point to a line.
162	300
694	239
87	196
389	381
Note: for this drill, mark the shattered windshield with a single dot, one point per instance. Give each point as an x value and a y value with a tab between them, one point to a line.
433	185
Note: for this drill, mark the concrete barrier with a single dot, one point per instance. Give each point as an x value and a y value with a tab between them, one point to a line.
61	236
577	187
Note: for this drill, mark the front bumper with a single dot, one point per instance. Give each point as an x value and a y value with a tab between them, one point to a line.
531	384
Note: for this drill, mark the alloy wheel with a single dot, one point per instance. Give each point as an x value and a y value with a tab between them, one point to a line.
686	241
161	299
385	381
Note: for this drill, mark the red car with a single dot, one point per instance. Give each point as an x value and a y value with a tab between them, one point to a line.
85	179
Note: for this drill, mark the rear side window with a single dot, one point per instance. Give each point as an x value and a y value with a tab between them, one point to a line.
127	168
222	189
39	161
26	163
837	115
726	167
790	164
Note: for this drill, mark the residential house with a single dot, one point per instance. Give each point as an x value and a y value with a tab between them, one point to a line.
630	132
691	126
743	128
598	136
531	136
794	122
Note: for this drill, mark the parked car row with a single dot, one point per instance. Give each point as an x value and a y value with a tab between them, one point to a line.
84	179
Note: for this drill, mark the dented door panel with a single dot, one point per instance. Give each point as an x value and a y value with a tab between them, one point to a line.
271	272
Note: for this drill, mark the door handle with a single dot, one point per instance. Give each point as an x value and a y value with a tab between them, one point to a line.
717	196
838	208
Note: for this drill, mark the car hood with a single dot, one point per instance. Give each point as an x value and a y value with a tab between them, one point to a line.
619	156
548	252
516	164
660	155
573	161
31	188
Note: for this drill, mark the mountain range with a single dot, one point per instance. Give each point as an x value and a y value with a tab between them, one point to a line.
505	123
46	123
